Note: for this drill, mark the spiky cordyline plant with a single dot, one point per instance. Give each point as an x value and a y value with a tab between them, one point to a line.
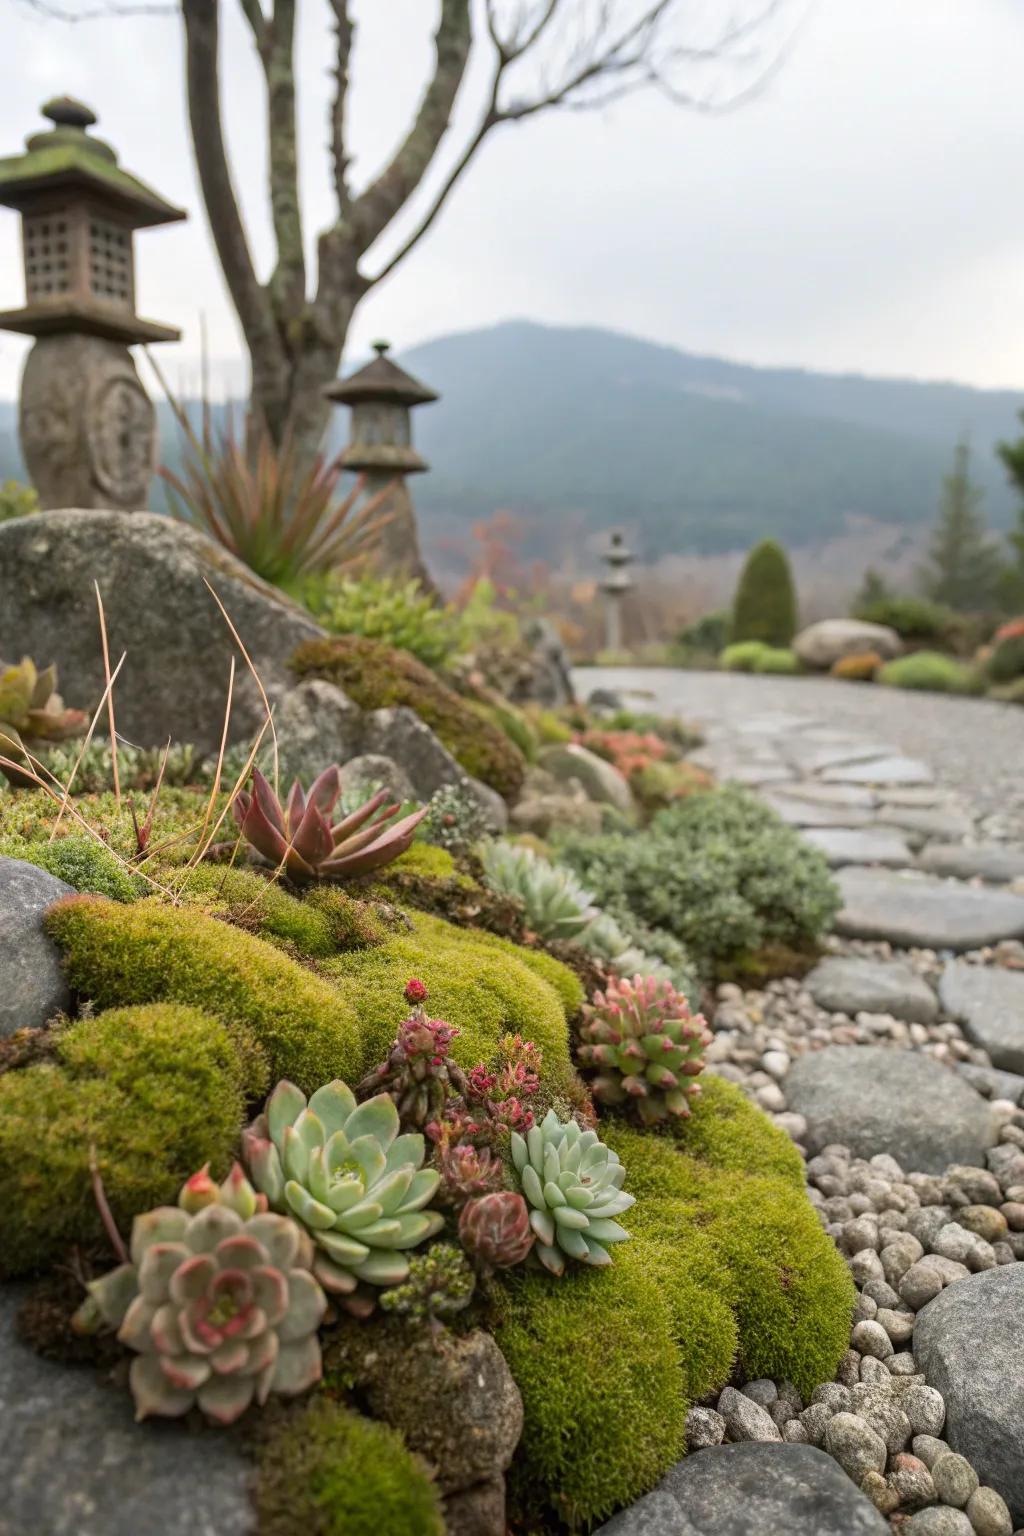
267	506
299	838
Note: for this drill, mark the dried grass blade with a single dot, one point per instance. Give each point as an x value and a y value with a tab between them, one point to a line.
110	695
88	737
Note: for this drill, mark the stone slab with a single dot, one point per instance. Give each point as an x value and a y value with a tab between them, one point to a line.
969	1342
875	1099
813	758
924	822
994	862
854	845
73	1462
803	813
33	987
849	984
852	796
988	1001
882	770
992	1083
921	910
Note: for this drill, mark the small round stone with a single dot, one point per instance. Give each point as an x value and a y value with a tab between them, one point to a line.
920	1285
928	1449
795	1433
1013	1210
955	1479
883	1497
940	1520
855	1445
871	1339
873	1372
988	1513
925	1409
898	1325
865	1266
834	1395
902	1364
815	1421
984	1221
912	1481
704	1427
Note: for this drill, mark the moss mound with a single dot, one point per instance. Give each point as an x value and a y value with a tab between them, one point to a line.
158	1092
330	1472
728	1264
80	861
310	1028
325	920
377	677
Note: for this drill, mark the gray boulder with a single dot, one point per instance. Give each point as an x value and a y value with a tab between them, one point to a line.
849	984
316	725
822	644
968	1343
599	779
989	1002
33	988
921	911
756	1488
151	573
73	1462
872	1099
370	772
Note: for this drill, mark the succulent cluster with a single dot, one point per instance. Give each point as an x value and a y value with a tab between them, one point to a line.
556	904
440	1282
300	839
573	1185
218	1302
645	1045
495	1229
31	709
455	819
344	1172
418	1074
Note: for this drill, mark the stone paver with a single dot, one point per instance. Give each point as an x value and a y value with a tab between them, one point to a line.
851	845
920	910
882	770
989	1002
849	984
984	861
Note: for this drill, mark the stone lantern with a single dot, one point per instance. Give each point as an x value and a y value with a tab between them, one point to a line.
615	585
87	426
382	397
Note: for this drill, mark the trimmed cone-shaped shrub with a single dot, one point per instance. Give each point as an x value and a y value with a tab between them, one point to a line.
764	607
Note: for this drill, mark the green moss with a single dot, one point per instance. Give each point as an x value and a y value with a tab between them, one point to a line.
727	1265
156	1090
251	901
289	1021
595	1358
481	984
81	862
426	860
377	677
329	1472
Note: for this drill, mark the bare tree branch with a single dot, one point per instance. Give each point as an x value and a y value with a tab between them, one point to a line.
250	298
375	208
339	156
275	40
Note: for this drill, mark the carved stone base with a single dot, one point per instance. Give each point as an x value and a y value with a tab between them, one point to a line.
88	428
398	552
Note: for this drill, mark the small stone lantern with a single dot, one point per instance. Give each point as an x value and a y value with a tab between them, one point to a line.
615	585
87	426
382	397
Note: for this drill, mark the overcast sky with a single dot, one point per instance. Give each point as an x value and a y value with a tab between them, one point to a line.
863	214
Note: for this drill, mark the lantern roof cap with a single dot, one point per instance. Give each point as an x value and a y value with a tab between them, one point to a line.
381	380
67	157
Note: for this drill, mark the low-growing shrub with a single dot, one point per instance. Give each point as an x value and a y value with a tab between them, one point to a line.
399	614
1008	693
721	871
1007	659
858	668
913	618
658	785
742	656
376	677
931	672
708	635
778	659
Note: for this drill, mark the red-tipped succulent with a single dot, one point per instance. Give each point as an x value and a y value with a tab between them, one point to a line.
496	1229
300	838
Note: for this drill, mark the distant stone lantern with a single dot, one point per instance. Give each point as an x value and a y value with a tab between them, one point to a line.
87	426
382	397
615	585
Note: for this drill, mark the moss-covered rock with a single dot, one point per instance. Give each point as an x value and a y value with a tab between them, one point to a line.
81	862
377	677
727	1265
330	1472
156	1090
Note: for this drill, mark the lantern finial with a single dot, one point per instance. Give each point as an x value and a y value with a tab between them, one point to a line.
66	112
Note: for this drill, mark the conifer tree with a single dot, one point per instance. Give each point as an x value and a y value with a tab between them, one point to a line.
1012	585
765	604
964	569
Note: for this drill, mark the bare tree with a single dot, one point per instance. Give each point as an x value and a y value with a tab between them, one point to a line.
542	55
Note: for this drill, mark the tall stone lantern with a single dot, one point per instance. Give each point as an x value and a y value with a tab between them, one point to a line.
618	558
382	397
87	426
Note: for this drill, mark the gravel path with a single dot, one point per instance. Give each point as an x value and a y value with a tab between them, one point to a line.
975	746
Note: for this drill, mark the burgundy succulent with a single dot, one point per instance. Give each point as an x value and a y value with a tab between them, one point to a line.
300	839
496	1229
417	1073
467	1171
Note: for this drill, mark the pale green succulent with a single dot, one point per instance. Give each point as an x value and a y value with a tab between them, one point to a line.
556	904
604	938
573	1185
344	1172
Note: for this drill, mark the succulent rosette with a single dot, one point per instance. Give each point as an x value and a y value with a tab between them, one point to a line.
345	1173
495	1228
218	1302
645	1046
573	1185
